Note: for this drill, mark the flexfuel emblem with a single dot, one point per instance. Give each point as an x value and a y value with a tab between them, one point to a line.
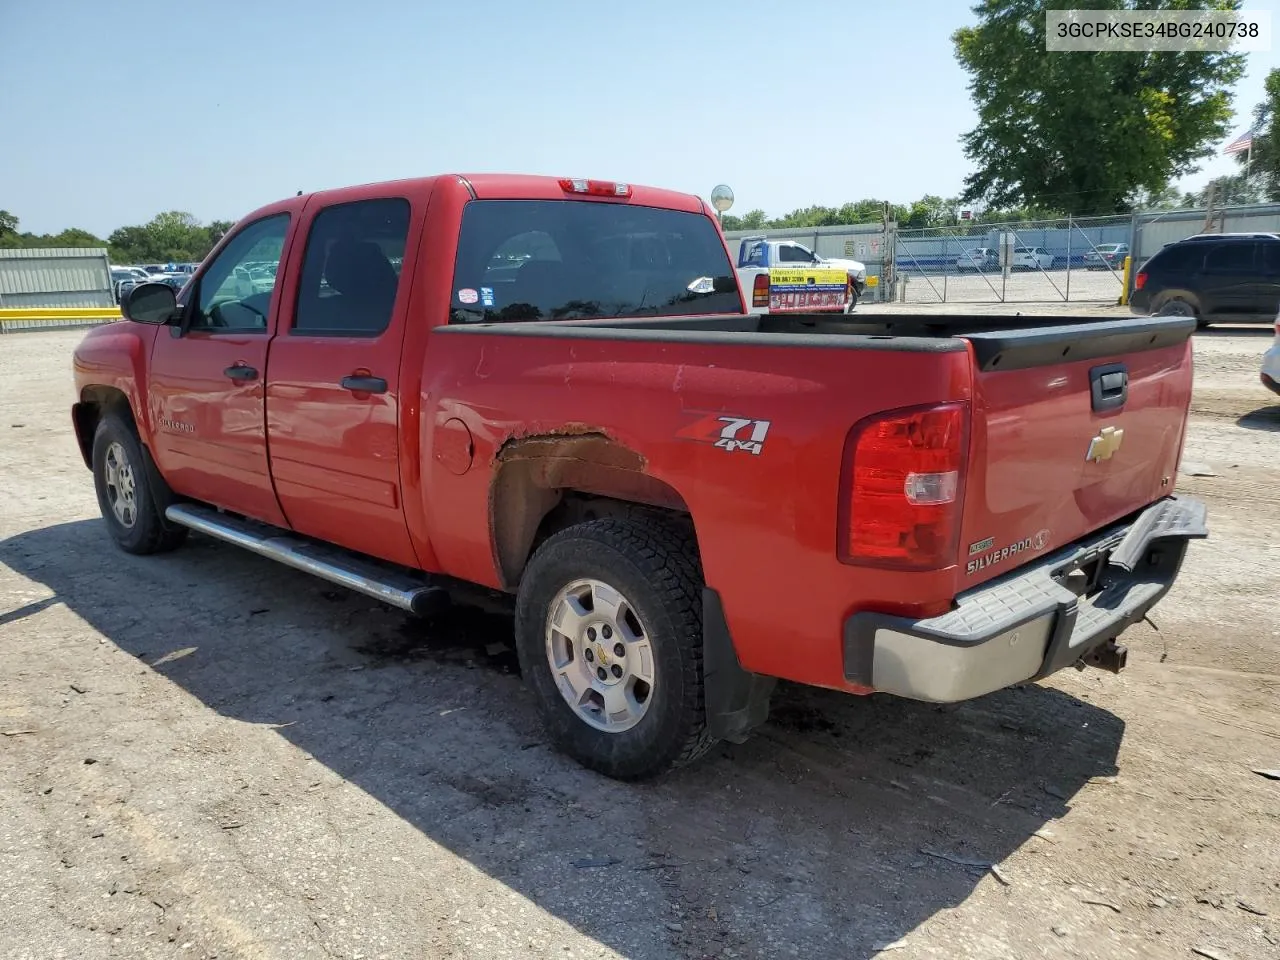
1105	444
1036	542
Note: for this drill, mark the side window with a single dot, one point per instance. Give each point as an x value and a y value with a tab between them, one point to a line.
791	253
235	292
1229	258
1272	258
1185	259
351	269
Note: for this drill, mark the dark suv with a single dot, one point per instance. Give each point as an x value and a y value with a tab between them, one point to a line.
1215	277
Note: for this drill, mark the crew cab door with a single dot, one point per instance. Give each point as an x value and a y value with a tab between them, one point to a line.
333	391
207	416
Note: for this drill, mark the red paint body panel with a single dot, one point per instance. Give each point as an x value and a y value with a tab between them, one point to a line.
766	524
208	430
408	475
1031	434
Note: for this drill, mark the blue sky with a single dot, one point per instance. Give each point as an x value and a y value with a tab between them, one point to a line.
111	112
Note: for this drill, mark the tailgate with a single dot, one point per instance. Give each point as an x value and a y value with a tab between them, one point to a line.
1074	427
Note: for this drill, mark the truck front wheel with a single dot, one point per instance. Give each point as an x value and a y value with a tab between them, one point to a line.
609	634
124	491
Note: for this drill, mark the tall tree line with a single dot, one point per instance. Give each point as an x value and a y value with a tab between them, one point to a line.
168	237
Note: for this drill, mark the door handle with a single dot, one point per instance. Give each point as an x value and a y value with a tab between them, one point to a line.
1109	386
241	371
364	384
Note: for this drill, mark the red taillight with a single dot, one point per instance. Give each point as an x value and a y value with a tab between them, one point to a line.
1139	280
902	488
760	290
596	188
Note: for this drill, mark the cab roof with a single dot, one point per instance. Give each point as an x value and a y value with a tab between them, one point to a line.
510	186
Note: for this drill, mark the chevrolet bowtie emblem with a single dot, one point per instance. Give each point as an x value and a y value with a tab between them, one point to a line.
1105	444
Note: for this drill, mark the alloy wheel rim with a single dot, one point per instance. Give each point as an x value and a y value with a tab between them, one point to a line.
600	655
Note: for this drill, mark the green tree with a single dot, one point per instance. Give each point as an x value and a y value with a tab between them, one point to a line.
1085	132
1167	199
1231	190
1264	164
75	237
217	229
8	223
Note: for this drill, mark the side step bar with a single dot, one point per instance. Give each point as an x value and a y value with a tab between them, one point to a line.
328	563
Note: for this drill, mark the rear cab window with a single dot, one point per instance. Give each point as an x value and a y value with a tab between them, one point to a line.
522	260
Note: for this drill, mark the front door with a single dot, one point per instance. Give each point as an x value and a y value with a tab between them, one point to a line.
206	407
333	390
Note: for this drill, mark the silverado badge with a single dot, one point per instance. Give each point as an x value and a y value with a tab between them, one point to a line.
1105	444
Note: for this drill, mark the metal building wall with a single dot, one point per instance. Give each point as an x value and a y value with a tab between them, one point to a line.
55	277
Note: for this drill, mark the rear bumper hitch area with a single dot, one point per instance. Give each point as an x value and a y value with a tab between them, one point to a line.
1033	621
1111	657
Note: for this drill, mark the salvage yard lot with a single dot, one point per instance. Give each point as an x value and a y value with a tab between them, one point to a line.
206	754
1031	286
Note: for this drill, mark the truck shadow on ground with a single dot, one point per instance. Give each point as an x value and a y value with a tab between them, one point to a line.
843	824
1264	418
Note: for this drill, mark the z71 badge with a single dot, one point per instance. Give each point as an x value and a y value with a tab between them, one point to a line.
728	433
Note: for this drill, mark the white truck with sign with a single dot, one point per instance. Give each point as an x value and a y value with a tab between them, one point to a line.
782	276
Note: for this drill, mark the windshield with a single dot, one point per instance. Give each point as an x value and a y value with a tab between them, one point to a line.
572	259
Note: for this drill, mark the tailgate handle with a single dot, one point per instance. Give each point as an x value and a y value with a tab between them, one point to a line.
1109	386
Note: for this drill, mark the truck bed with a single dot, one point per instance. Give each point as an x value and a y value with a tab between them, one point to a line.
1039	339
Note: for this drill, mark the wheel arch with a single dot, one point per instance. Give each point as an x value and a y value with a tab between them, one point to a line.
1176	293
544	483
96	401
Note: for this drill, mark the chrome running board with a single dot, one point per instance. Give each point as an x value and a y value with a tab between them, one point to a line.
347	569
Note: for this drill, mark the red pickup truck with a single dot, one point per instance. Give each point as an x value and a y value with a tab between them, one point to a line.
553	388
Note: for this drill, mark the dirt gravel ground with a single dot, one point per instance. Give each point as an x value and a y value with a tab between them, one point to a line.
208	755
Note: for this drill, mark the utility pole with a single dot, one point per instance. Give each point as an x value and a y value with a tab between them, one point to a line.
1209	214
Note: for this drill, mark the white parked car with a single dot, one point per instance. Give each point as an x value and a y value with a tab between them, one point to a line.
1270	375
1031	258
983	259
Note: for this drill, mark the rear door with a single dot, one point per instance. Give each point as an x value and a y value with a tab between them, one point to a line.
1061	448
1229	282
333	391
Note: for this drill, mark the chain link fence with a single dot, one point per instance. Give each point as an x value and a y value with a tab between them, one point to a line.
1076	260
1068	260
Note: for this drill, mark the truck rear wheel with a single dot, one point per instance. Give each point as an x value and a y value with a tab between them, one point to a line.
609	634
124	491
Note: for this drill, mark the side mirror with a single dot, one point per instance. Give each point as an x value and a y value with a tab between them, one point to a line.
150	303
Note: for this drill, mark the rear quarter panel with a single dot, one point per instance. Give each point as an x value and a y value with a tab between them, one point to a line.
766	523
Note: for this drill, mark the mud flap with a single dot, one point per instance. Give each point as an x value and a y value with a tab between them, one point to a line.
737	701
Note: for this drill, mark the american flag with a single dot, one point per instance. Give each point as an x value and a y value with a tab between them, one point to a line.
1240	144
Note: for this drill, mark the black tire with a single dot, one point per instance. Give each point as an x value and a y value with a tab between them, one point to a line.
147	532
1177	306
655	567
